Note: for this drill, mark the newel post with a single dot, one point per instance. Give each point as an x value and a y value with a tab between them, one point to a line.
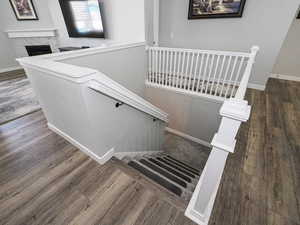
233	113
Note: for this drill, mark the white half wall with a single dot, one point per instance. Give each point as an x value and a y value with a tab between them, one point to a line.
264	23
126	66
288	60
194	116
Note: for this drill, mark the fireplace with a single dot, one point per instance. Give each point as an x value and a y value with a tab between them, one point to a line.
33	50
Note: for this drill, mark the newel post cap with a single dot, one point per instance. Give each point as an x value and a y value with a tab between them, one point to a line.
236	109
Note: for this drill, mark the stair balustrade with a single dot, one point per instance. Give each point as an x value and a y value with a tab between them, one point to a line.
208	73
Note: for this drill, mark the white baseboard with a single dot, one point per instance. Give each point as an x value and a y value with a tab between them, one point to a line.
8	69
257	86
121	155
100	159
189	137
285	77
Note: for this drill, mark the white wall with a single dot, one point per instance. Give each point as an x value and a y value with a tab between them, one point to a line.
195	116
125	66
124	21
265	23
8	21
288	60
7	56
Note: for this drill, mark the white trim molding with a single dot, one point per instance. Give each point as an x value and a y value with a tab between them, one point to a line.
284	77
30	33
259	87
188	137
9	69
109	47
100	159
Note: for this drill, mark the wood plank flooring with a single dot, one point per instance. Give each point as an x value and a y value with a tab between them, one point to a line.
45	180
261	181
12	75
16	99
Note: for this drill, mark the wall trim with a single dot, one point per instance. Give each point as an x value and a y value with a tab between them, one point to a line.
189	137
8	69
92	51
121	155
100	159
31	33
284	77
257	86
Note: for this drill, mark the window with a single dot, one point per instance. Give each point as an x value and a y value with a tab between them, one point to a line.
83	18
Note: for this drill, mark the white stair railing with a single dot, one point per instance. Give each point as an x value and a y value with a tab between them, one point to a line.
214	74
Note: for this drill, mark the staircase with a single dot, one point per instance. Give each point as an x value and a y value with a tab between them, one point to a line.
172	174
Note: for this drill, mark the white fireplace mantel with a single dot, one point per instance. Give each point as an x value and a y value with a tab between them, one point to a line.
32	33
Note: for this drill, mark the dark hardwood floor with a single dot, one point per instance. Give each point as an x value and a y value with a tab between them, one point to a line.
16	97
12	74
261	181
45	180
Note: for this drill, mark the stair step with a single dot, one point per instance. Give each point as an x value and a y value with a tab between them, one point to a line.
155	177
162	192
186	165
181	164
164	173
170	169
179	168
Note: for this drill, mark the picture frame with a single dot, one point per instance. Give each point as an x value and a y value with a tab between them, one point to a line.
24	9
206	9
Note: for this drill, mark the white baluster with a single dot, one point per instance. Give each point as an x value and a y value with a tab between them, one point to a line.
171	75
200	70
159	66
231	75
195	71
191	71
178	71
214	77
209	74
204	74
156	66
237	76
167	68
186	71
163	67
175	68
182	69
220	74
225	75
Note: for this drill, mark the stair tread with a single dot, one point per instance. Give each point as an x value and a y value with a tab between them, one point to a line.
177	167
158	179
160	170
197	173
168	196
183	163
174	171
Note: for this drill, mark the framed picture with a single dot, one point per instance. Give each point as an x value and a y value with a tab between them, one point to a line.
24	9
199	9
